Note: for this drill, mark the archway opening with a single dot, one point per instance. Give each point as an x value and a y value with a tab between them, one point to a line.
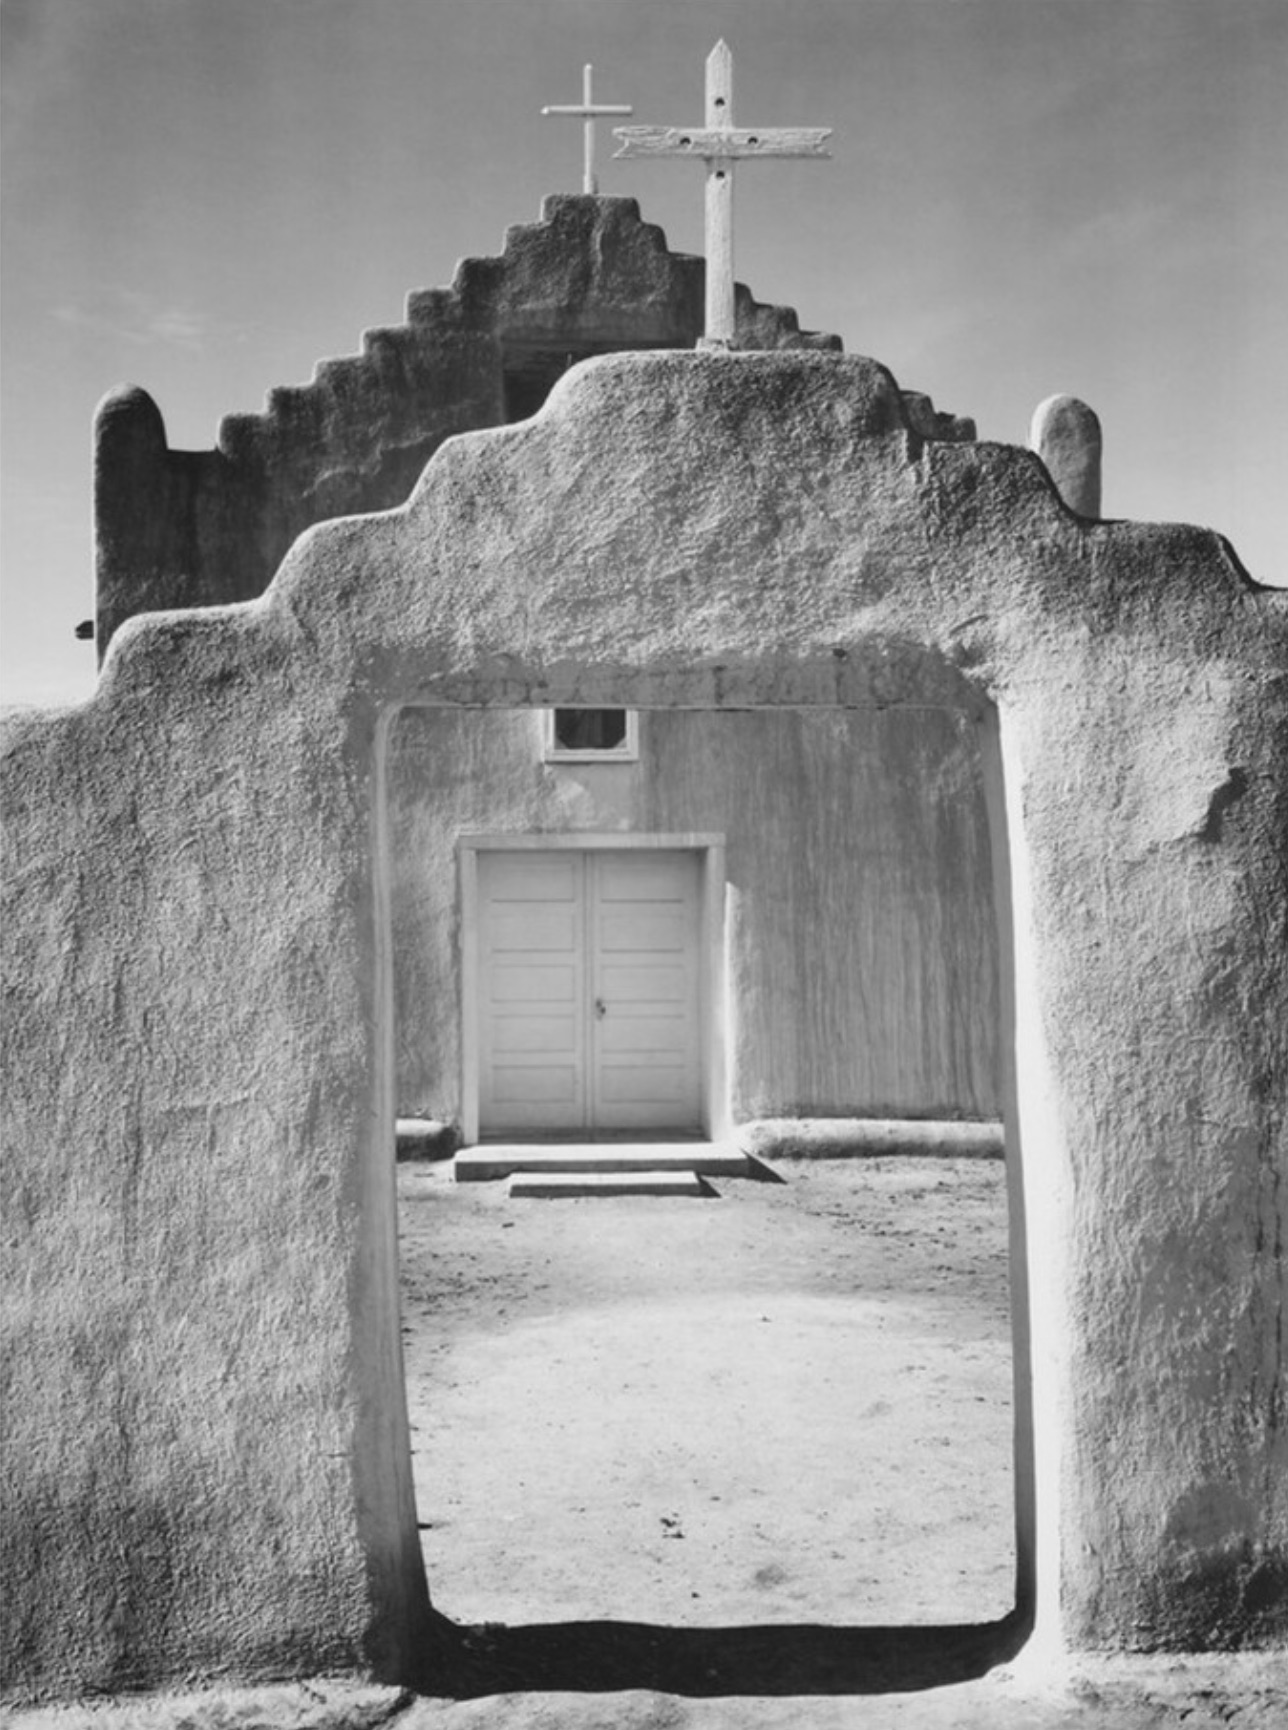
609	1423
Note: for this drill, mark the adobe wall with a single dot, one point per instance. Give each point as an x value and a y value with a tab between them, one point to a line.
861	941
198	528
208	1460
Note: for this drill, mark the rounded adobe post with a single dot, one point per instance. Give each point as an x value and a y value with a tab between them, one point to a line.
128	424
130	451
1065	433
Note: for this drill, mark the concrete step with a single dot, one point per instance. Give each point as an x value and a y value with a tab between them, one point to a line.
501	1159
553	1184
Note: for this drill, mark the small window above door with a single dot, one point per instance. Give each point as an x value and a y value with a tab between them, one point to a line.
590	735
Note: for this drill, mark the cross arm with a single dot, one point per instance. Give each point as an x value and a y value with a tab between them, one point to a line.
588	111
722	142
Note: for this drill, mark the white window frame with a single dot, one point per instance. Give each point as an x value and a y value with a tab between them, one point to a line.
627	752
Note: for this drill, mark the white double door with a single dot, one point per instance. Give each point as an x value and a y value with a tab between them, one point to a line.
588	974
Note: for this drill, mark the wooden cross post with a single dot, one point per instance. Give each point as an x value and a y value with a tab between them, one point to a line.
586	110
720	145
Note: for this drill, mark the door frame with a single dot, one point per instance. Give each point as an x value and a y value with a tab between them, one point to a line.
712	1008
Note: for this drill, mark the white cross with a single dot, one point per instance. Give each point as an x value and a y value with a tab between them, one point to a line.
586	110
719	145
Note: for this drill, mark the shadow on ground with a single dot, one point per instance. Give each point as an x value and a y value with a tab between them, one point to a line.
465	1663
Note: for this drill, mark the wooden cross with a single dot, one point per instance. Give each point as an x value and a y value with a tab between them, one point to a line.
586	110
720	145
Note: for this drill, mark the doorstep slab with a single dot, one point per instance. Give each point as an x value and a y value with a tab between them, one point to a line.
502	1159
555	1184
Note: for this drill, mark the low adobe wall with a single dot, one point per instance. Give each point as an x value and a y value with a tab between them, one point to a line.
207	1464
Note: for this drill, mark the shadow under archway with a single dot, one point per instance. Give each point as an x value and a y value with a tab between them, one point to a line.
463	1662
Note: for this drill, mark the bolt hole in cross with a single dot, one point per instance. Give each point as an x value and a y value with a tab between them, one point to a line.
781	1402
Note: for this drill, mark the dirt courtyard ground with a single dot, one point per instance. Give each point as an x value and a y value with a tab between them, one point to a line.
786	1403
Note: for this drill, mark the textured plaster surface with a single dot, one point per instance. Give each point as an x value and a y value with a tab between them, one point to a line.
195	528
207	1464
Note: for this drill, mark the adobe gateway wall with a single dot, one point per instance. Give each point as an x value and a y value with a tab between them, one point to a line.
180	528
208	1456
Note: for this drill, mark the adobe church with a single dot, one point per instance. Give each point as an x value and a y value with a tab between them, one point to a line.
540	723
820	877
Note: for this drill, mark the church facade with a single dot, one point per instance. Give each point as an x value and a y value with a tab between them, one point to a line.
826	938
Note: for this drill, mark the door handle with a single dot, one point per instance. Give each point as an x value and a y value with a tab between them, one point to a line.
601	1008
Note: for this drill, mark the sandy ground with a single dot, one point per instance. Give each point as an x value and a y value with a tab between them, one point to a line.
788	1402
1207	1693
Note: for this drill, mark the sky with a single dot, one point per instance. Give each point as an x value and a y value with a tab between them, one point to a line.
206	197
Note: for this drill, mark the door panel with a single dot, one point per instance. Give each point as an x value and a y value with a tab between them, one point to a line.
636	982
530	877
645	1098
588	967
654	931
637	1030
527	930
529	1088
642	877
645	1041
523	983
532	976
554	1035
